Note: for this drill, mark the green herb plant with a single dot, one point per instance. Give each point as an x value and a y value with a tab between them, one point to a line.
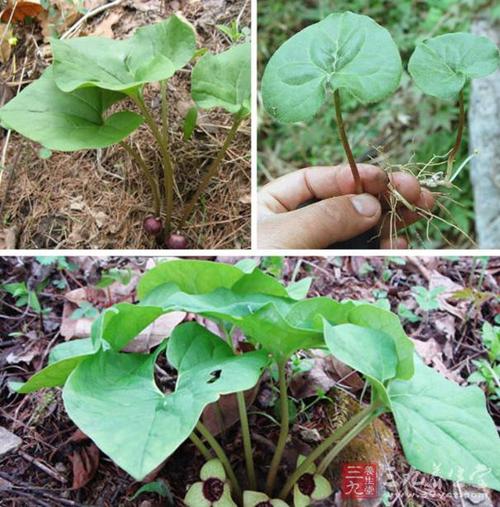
23	295
72	105
444	429
348	53
487	371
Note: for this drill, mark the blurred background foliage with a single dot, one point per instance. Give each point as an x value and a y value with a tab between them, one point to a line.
406	127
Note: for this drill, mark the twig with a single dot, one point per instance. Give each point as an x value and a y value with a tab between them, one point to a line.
10	180
89	15
45	468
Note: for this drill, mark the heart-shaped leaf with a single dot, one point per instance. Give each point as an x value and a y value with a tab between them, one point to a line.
124	321
440	66
63	359
373	317
67	121
446	429
113	398
366	350
153	53
223	80
310	313
203	277
344	51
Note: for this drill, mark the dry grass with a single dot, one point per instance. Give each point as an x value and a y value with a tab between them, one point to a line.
98	199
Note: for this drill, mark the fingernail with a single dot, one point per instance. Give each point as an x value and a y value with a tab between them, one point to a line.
366	204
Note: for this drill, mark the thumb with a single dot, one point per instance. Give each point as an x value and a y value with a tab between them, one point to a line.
322	223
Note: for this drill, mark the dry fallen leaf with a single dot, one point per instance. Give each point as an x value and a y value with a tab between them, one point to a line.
155	333
20	10
63	15
220	416
5	51
84	457
105	27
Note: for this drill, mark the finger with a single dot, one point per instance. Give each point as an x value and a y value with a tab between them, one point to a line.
405	217
290	191
320	224
406	184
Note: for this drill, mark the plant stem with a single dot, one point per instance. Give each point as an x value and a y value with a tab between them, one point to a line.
460	131
212	171
219	452
323	447
168	172
284	428
325	462
145	169
169	175
358	185
247	442
200	446
245	428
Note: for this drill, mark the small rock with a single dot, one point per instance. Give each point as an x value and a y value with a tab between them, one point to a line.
8	441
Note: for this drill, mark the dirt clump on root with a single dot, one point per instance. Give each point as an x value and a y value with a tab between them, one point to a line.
98	199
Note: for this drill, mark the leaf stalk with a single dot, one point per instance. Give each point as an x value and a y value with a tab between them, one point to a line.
219	452
336	436
147	172
358	185
168	172
212	171
284	429
460	132
196	440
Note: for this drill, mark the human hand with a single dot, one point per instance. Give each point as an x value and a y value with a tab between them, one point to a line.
339	214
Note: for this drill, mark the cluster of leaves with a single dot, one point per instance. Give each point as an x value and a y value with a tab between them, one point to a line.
111	395
71	106
407	127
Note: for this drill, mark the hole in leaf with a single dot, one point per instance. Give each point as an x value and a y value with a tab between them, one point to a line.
214	375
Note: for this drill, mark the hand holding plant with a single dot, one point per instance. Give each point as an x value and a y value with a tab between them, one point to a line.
347	53
339	214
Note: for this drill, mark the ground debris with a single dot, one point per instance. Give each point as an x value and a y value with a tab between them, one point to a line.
8	441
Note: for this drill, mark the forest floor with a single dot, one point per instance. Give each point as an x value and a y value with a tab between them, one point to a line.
443	303
98	199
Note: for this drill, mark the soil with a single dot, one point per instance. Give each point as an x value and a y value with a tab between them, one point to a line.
448	338
98	199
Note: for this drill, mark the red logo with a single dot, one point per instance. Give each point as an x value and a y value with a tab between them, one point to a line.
359	481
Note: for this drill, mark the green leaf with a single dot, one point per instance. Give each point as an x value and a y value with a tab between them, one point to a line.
343	51
366	350
223	80
445	429
298	290
160	487
441	66
67	121
269	327
192	277
124	321
63	359
190	123
203	277
310	313
113	398
153	53
382	320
